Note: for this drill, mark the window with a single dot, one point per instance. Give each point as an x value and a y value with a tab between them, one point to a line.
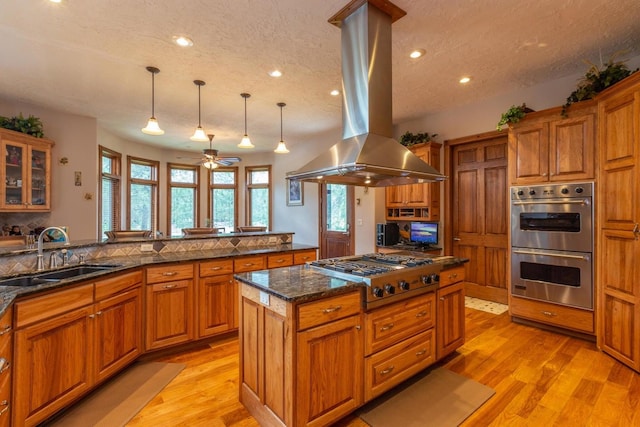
109	191
142	197
182	200
258	203
223	198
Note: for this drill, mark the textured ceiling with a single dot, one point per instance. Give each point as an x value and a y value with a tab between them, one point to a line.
89	58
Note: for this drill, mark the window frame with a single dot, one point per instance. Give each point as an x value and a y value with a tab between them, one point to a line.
250	186
155	184
213	186
116	177
195	186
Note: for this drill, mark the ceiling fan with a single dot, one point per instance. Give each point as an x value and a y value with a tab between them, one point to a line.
211	160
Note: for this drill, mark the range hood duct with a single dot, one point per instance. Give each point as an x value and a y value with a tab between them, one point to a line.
367	155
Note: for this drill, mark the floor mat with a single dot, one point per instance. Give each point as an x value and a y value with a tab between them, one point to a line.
483	305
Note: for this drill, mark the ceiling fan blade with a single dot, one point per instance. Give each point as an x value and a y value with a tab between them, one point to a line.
223	162
187	158
230	159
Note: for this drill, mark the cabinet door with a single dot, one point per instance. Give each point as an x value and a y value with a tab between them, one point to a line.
118	332
59	345
395	196
169	314
529	146
450	319
572	148
39	178
330	361
14	175
215	304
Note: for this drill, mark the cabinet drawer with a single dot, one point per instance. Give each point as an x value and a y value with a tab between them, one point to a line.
279	260
252	263
216	268
301	257
395	364
6	329
115	285
328	309
169	273
391	324
45	306
552	314
451	276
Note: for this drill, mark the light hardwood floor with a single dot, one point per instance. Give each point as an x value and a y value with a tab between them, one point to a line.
541	379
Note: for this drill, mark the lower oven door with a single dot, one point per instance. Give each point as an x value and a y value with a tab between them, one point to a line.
560	277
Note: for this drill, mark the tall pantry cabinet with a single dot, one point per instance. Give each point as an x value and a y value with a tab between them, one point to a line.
618	270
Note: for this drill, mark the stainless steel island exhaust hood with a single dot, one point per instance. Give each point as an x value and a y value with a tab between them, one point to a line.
367	155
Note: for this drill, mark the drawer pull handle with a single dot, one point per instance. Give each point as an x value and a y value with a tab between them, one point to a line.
441	298
169	286
422	313
5	330
331	309
249	264
387	327
388	370
4	403
279	260
549	314
91	316
4	365
169	273
216	268
99	313
453	276
421	353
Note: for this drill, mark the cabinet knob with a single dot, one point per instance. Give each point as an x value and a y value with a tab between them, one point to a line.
441	298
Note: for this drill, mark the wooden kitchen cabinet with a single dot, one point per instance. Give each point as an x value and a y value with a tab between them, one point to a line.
169	305
304	256
416	201
25	172
618	244
450	311
6	366
216	297
546	147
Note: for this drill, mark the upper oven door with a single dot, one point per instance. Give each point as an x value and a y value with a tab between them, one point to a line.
564	224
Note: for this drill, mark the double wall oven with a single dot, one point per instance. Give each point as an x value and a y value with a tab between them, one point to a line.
552	243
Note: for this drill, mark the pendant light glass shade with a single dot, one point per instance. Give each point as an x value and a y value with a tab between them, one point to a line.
152	128
210	164
281	148
246	142
199	134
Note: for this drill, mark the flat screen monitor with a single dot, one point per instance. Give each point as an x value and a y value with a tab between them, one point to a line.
424	233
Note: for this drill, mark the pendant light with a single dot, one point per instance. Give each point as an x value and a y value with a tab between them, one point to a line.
199	134
152	127
281	148
246	142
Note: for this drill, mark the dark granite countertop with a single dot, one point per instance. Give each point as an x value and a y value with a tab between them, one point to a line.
9	293
303	283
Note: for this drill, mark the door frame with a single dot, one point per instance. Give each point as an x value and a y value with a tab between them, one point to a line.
321	211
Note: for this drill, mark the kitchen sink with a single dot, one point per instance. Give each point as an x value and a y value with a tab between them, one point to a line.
56	276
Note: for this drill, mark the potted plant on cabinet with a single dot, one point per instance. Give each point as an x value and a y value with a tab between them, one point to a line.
513	115
409	139
30	125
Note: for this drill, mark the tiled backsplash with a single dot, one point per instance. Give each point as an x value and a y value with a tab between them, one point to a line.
26	262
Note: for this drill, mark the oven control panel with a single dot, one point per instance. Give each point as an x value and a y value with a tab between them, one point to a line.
552	191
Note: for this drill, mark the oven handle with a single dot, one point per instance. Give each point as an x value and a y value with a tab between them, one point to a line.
551	202
583	257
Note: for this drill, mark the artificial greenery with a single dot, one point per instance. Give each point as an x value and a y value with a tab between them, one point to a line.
30	125
513	115
409	139
596	80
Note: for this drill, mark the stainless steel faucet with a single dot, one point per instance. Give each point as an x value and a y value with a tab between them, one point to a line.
40	259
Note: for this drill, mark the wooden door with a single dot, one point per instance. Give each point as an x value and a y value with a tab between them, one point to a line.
336	213
169	314
118	332
479	213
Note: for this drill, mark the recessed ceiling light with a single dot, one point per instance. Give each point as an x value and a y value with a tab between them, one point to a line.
417	53
55	1
275	73
465	80
335	92
183	41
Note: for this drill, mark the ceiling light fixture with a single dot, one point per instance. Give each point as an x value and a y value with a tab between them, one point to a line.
55	1
464	80
199	134
281	148
275	73
183	41
210	163
335	92
246	142
417	53
152	127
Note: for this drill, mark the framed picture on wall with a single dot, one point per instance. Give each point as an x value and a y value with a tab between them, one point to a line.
294	192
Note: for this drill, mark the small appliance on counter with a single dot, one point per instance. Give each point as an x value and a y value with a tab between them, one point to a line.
387	234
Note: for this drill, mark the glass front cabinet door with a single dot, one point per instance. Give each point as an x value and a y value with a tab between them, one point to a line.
25	172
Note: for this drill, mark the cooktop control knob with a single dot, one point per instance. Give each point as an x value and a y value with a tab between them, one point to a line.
520	193
377	292
532	192
390	289
404	285
564	191
426	279
579	190
435	278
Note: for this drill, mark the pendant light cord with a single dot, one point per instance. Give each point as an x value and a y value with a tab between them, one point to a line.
153	94
199	125
245	115
281	122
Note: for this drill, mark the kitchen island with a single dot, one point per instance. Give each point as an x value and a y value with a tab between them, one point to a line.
311	352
